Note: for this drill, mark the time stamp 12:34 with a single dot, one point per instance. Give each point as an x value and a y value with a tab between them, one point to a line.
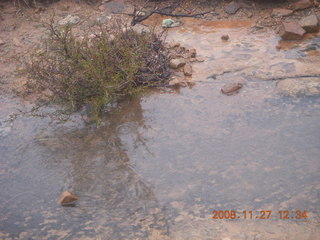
263	214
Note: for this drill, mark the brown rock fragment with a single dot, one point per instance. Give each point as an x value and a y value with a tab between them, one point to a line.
67	198
225	37
231	88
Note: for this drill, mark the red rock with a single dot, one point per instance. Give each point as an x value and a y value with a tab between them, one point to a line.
231	88
291	31
187	70
67	198
302	4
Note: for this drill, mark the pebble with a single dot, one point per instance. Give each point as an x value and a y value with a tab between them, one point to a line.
67	198
225	37
231	88
187	70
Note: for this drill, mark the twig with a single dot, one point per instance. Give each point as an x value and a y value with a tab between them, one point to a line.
164	11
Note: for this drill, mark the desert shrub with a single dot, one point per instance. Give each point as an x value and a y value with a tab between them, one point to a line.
32	3
98	69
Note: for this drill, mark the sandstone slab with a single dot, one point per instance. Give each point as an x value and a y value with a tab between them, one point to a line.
281	12
291	31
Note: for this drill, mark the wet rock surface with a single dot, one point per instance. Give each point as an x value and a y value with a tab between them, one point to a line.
299	87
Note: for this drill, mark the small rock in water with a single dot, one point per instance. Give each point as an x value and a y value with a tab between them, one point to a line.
187	70
177	63
88	114
225	37
291	31
232	8
200	59
231	88
67	198
302	4
69	20
310	23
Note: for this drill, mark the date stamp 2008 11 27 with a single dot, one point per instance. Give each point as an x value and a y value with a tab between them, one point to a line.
264	214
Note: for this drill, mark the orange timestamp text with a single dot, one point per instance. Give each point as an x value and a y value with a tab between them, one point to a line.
264	214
